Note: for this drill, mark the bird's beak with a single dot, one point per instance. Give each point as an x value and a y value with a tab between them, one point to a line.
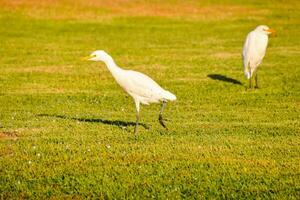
271	31
88	57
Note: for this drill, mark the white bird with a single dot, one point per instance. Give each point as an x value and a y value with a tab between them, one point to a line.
139	86
254	51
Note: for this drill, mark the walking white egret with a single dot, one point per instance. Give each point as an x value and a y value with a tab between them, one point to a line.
254	51
139	86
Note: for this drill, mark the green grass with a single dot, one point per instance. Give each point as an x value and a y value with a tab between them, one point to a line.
63	121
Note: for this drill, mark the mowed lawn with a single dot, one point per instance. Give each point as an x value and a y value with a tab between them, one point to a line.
66	128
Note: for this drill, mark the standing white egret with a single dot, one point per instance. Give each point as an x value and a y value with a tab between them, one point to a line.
139	86
254	51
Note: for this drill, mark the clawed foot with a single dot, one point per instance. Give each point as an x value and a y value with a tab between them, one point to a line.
146	126
161	121
251	88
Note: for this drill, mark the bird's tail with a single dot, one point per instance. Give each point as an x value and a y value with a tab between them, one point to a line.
169	96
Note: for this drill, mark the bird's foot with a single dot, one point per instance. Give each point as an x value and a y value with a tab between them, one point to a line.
161	121
166	119
256	87
146	126
250	88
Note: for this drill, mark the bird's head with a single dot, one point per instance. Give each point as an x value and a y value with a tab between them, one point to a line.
98	55
264	29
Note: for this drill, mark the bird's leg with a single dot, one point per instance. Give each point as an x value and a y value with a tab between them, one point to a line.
250	81
137	123
256	82
137	105
160	118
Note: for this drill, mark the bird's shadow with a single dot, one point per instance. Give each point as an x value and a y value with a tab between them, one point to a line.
221	77
118	123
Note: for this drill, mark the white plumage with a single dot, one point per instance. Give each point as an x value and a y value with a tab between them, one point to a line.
143	89
254	51
139	86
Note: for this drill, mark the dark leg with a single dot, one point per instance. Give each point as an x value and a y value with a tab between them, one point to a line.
137	106
137	123
250	81
256	82
160	118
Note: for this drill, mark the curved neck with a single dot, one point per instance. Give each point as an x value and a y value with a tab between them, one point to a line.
112	66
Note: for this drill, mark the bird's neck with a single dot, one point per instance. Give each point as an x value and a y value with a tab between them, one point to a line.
112	67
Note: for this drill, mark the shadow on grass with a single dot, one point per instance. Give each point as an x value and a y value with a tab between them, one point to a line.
118	123
221	77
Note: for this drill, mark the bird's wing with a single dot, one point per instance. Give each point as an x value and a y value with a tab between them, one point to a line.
261	42
254	49
246	50
143	86
246	54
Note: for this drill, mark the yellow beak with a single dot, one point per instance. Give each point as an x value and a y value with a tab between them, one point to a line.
271	31
88	57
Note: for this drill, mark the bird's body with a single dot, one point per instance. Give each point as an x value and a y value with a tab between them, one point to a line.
139	86
254	50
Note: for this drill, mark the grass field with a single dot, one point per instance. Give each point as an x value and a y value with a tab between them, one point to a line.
66	128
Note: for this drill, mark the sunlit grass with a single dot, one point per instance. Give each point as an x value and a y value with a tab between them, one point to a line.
65	125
